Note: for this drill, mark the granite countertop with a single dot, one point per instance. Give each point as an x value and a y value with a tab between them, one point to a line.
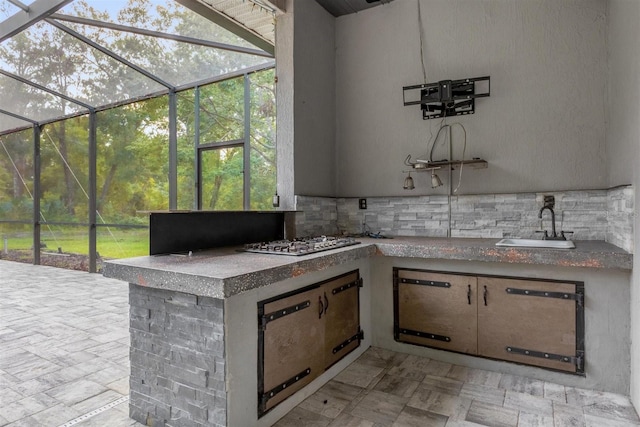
587	253
224	272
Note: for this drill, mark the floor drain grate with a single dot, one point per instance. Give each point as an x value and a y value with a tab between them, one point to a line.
95	412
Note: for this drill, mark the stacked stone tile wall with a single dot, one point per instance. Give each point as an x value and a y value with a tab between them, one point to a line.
517	215
398	216
621	213
177	359
589	214
316	216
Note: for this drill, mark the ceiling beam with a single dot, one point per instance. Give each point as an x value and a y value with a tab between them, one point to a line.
228	24
21	20
109	53
158	34
45	89
278	5
19	4
18	116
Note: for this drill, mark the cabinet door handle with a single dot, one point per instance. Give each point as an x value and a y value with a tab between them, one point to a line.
469	294
321	310
326	303
484	295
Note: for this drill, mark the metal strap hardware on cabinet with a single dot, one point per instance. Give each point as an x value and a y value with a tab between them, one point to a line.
297	349
270	317
532	321
277	389
546	294
358	282
422	334
426	283
577	360
358	336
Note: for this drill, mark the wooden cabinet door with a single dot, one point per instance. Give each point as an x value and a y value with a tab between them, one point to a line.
436	310
293	346
342	316
528	321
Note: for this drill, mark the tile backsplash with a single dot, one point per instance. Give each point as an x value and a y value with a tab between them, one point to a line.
620	215
589	214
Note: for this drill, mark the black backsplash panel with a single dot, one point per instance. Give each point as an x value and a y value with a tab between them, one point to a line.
177	232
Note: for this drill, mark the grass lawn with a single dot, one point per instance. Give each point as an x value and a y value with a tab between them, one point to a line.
112	242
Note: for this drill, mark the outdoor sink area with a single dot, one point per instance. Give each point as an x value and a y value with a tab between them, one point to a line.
533	243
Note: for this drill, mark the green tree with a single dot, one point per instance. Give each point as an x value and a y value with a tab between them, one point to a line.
133	139
16	171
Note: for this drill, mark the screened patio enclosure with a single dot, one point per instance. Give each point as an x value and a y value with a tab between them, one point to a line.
110	109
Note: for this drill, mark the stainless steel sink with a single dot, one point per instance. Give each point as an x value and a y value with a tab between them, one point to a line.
531	243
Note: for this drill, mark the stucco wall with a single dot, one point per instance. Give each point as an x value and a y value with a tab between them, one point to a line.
305	96
284	106
623	137
314	99
542	129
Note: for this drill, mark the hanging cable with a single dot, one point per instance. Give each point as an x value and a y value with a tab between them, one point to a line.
464	149
435	140
28	191
421	30
83	190
65	163
16	169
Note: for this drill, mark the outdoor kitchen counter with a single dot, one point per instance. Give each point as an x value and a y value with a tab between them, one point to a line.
222	273
587	253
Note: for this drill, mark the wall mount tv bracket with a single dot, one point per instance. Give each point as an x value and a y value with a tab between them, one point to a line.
447	98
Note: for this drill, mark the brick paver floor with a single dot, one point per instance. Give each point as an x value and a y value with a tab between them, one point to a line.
64	348
64	360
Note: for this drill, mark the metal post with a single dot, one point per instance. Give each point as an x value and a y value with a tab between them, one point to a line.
93	203
247	145
173	151
450	179
36	194
197	204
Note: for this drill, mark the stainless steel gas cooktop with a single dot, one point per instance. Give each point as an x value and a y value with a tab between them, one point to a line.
303	246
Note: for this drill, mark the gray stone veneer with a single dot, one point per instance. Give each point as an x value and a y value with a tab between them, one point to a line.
621	215
590	214
177	359
317	216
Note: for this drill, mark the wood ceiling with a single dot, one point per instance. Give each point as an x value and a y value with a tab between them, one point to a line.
345	7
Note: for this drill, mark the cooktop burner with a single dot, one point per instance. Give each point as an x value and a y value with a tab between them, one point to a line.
303	246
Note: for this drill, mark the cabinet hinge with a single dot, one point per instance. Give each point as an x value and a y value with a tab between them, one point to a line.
423	334
426	283
579	298
269	317
359	336
580	361
577	360
358	282
264	398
